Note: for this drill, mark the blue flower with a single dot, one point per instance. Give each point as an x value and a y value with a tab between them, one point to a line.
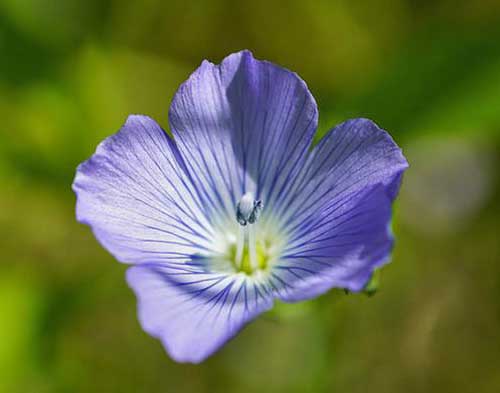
237	210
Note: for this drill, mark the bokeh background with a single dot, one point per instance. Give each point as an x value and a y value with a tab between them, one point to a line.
427	71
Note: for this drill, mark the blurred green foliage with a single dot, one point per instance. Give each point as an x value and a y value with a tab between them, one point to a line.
427	71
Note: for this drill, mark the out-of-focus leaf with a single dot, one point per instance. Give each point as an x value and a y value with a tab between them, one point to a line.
440	83
20	304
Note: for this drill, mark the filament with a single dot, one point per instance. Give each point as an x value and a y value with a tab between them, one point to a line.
252	249
240	244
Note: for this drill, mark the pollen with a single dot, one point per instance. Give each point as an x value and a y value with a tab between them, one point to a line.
248	209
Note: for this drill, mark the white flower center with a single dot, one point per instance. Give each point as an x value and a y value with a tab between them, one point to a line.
249	244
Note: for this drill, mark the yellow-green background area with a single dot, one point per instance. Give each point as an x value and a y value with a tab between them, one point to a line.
427	71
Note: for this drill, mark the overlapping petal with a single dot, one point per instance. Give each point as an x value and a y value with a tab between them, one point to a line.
338	222
243	126
138	199
195	314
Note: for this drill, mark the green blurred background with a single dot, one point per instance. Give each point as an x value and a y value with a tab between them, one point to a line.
427	71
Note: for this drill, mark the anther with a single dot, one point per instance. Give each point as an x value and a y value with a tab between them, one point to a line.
248	210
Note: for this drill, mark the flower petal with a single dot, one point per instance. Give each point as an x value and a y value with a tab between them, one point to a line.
138	199
194	315
243	126
338	223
